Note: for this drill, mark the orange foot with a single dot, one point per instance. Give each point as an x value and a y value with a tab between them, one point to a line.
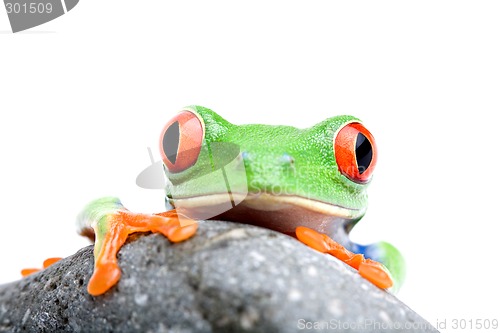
111	232
371	270
46	263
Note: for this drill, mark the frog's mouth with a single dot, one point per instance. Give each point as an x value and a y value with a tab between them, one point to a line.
278	212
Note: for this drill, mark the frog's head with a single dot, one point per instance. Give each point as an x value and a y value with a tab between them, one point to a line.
276	176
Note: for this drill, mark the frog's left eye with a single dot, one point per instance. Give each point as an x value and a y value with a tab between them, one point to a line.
355	152
181	140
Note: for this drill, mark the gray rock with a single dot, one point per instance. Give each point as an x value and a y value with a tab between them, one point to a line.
228	278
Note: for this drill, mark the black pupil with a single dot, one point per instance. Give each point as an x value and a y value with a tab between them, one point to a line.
171	142
363	153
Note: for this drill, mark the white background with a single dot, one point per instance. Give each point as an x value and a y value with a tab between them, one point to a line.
82	97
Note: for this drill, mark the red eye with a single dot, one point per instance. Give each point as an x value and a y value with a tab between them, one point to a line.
355	152
180	141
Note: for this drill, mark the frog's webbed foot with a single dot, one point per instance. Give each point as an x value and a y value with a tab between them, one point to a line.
371	270
112	224
389	256
46	263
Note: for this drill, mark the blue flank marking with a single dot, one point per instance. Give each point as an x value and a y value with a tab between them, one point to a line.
372	251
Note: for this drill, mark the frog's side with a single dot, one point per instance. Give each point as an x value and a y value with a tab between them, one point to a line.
308	183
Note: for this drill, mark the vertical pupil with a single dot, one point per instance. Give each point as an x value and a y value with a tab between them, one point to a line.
363	153
171	142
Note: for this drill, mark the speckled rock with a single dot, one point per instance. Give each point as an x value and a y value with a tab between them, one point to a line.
228	278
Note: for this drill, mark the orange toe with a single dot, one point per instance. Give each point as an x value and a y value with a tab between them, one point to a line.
29	271
50	261
312	238
104	277
376	274
355	261
180	234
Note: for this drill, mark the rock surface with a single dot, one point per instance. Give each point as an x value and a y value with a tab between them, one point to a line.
228	278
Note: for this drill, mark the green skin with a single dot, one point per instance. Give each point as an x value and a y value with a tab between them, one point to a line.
297	167
280	177
313	173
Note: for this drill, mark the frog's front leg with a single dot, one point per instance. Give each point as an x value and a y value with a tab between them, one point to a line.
371	270
111	223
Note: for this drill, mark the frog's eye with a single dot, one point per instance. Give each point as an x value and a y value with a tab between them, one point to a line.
355	152
181	140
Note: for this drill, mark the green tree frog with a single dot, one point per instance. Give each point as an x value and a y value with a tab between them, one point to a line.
307	183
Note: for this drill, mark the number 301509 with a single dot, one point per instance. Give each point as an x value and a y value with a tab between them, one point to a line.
28	8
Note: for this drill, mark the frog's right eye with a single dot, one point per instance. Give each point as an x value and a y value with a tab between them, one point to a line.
181	140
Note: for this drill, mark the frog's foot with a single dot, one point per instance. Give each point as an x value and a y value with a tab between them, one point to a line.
46	263
112	224
389	256
371	270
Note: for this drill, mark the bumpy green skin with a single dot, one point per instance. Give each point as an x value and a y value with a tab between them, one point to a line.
283	160
278	159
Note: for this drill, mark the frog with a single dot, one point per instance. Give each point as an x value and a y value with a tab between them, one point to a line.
310	184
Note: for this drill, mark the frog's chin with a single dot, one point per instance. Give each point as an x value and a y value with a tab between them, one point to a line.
277	212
